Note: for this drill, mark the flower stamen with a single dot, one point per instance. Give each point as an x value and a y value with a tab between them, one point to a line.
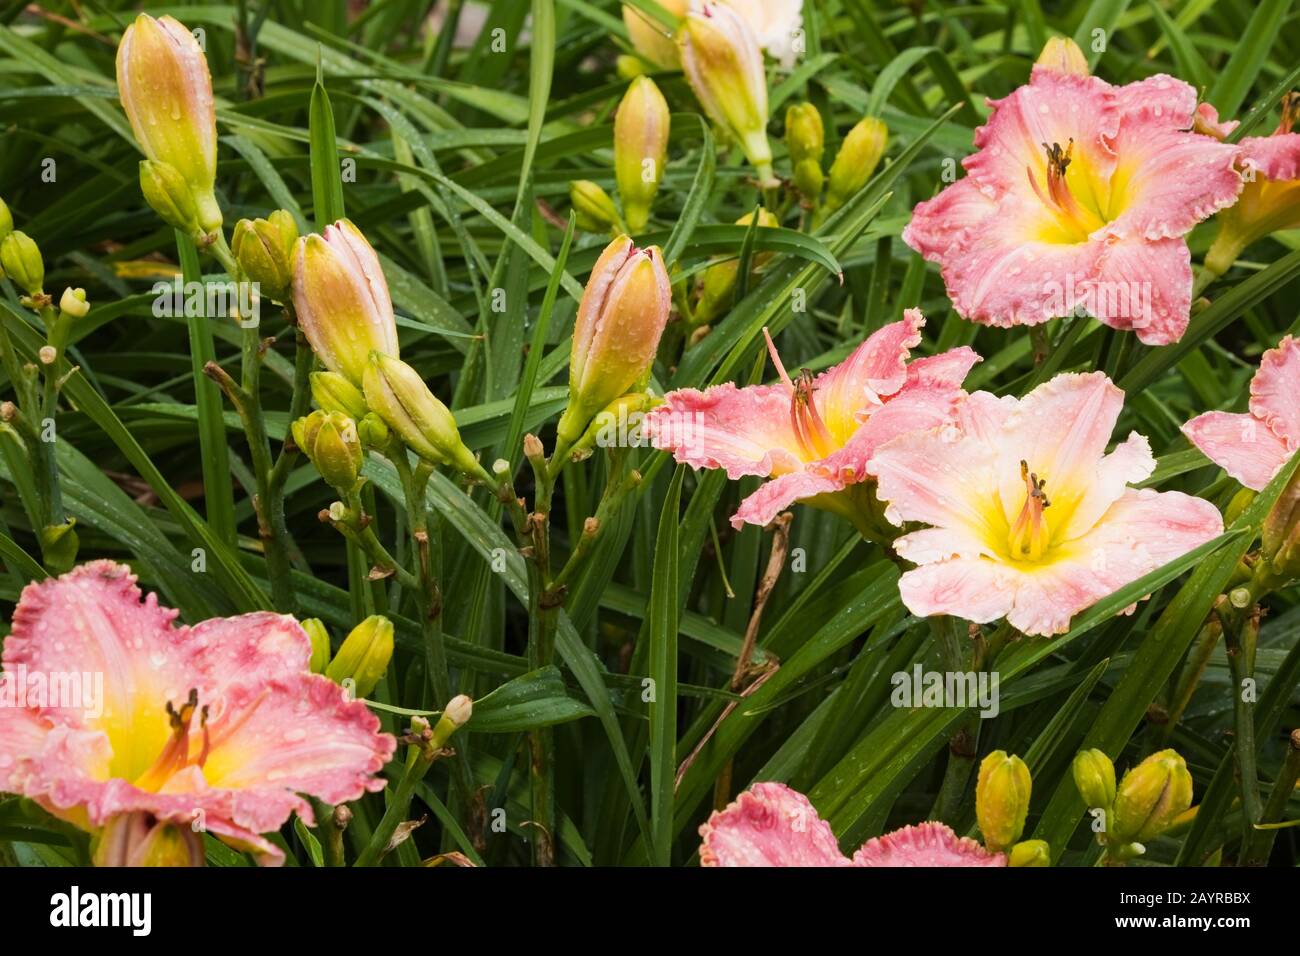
175	755
1030	537
1058	198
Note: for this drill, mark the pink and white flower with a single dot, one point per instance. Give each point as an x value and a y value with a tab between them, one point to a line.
814	435
219	727
1078	200
1029	518
1254	445
771	825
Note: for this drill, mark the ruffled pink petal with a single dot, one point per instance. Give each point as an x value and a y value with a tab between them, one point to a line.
945	370
769	825
249	648
1168	180
1207	122
297	735
1142	531
747	431
22	733
875	370
974	589
926	844
1052	108
1241	445
1131	462
1144	286
1160	99
92	621
1276	157
948	219
1060	430
773	497
1275	391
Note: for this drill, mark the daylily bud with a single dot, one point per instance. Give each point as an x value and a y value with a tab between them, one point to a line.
6	220
1094	775
623	312
396	393
595	208
22	262
1238	504
724	65
320	644
137	839
459	710
1150	797
59	546
330	440
264	249
364	655
651	39
374	433
1062	55
859	155
73	302
615	425
1281	533
166	90
341	299
805	138
717	287
641	128
334	393
169	195
1030	853
1002	799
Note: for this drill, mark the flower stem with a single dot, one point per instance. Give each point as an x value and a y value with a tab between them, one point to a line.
1260	844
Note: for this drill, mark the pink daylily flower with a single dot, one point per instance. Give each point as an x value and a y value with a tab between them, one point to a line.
1078	200
219	727
814	435
1030	519
1253	446
771	825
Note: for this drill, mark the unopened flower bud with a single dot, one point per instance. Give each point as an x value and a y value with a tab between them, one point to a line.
1150	797
805	138
616	334
364	655
1094	775
6	220
459	710
1002	799
652	40
1281	533
330	440
396	393
59	546
22	262
716	289
723	63
73	302
1062	55
334	393
264	250
166	90
594	207
374	433
320	643
1030	853
859	155
138	839
169	195
641	128
341	299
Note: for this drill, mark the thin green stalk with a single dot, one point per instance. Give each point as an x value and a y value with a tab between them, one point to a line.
1259	845
1241	631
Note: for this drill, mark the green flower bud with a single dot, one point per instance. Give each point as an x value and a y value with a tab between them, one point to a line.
1030	853
59	546
859	155
1062	55
364	655
374	433
320	643
594	207
22	262
1150	797
333	392
716	289
1002	799
6	220
641	128
330	440
805	138
167	194
1094	775
396	393
264	249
